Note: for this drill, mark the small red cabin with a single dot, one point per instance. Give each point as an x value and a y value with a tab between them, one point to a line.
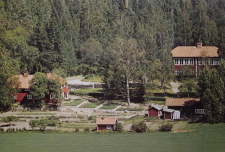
155	110
106	123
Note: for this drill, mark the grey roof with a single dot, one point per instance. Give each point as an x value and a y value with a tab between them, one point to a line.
158	107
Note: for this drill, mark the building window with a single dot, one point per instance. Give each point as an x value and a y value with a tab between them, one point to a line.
51	96
26	89
176	61
199	111
191	61
176	71
108	127
181	61
186	61
211	61
199	61
216	62
29	96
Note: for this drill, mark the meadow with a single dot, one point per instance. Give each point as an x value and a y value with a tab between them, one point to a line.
206	137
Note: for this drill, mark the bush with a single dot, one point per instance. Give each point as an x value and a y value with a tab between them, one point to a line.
140	127
166	127
77	130
86	130
90	118
119	127
42	124
33	123
10	130
9	119
1	130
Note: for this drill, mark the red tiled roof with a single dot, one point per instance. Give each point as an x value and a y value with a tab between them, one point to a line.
64	89
20	96
106	121
181	101
192	51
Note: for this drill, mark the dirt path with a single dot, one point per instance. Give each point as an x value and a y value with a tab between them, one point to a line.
77	80
175	86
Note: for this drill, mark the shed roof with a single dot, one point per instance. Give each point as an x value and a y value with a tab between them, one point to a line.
181	101
193	51
156	106
106	121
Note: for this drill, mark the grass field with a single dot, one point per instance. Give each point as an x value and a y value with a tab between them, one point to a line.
90	105
36	114
207	138
73	103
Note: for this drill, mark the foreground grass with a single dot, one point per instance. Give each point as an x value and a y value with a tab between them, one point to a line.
207	137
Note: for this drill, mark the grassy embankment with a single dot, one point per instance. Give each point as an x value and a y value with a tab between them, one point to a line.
207	137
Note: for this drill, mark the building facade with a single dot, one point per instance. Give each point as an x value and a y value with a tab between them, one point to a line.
194	57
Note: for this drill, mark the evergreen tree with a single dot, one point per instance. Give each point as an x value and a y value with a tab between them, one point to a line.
211	94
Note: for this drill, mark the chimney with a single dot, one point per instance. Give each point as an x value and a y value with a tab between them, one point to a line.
199	44
25	73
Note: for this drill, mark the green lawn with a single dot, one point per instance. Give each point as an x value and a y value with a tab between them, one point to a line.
130	109
90	105
73	103
109	106
38	113
207	138
90	79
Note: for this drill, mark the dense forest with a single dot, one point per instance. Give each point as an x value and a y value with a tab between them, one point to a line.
75	36
122	40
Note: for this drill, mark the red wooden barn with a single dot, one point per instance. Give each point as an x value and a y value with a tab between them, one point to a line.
106	123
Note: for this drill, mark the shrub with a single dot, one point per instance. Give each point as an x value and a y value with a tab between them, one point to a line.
140	127
77	130
119	127
10	130
90	118
87	130
9	119
166	127
33	123
42	124
1	130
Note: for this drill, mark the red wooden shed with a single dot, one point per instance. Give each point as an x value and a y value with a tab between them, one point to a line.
104	123
155	110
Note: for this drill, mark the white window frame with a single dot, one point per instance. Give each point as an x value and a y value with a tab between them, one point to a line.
176	71
215	61
211	61
26	89
176	61
199	61
199	111
51	96
186	61
191	61
29	96
108	127
15	96
181	61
